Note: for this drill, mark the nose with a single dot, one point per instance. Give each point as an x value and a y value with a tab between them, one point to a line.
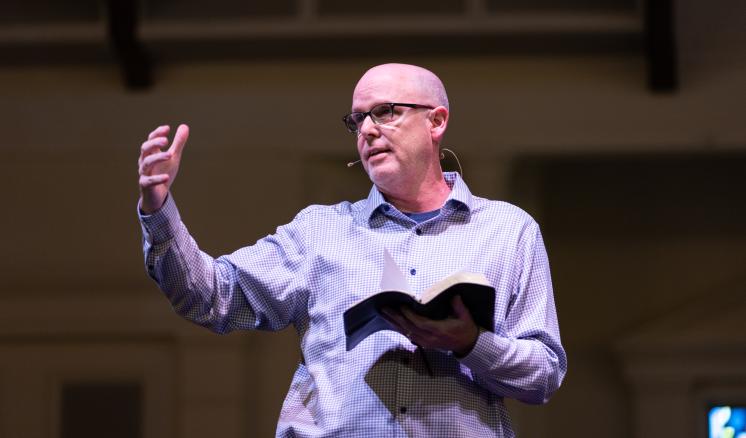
367	126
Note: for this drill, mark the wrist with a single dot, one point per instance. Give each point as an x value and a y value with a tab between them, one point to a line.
149	206
464	351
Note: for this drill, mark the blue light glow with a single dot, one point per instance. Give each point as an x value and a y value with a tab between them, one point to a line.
727	422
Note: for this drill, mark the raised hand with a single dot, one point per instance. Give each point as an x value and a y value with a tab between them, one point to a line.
157	167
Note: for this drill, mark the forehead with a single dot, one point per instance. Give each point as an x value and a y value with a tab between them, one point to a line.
385	86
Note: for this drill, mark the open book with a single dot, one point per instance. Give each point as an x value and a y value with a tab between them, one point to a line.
364	317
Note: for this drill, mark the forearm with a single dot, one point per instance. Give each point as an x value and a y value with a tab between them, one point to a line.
256	287
529	370
198	287
524	358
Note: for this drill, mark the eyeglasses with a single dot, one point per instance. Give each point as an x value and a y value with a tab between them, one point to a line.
379	114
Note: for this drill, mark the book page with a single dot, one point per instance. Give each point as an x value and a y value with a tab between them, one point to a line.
451	280
393	278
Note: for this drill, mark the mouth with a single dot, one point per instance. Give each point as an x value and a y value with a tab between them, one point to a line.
377	151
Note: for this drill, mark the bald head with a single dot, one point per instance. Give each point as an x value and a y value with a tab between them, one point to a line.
418	83
401	155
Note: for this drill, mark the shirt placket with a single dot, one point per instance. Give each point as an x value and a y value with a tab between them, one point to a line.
411	361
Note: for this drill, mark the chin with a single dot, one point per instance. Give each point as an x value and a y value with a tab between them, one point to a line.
383	176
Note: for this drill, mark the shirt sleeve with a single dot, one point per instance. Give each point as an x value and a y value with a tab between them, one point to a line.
525	360
256	287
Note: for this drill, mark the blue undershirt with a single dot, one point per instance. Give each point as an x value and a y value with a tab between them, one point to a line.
422	217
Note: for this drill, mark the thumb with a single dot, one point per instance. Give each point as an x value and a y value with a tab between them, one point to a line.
180	139
459	308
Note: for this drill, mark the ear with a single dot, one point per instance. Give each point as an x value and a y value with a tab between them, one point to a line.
438	123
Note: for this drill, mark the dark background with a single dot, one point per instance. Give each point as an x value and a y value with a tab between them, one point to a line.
619	125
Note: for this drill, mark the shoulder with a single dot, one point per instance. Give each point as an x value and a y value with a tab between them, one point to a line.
333	212
501	211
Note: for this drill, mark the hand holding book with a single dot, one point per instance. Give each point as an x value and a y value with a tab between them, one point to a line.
457	332
447	316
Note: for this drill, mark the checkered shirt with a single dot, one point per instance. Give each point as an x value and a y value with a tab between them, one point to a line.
329	257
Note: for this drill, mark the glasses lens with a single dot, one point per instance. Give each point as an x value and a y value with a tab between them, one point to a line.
382	113
351	121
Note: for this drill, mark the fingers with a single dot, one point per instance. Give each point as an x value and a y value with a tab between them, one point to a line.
420	330
398	320
456	333
151	152
180	139
154	188
409	324
147	163
152	146
390	316
160	131
147	181
418	321
158	139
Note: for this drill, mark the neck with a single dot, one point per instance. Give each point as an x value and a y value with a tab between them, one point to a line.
419	196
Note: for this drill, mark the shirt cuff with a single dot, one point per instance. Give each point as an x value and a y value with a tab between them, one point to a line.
484	353
160	226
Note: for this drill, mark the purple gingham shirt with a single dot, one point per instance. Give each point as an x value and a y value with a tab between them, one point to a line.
312	269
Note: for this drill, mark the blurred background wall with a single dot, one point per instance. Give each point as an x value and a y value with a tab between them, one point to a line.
619	125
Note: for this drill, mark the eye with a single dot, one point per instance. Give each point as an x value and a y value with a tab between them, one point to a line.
382	113
352	121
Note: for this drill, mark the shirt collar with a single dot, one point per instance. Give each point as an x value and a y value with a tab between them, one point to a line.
460	195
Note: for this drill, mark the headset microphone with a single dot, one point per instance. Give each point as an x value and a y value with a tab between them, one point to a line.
352	163
443	156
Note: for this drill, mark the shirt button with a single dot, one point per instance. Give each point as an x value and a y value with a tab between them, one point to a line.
413	271
386	208
418	231
403	410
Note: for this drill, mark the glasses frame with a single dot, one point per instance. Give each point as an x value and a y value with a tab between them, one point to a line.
370	113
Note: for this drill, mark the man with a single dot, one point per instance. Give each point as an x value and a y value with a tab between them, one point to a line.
314	268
